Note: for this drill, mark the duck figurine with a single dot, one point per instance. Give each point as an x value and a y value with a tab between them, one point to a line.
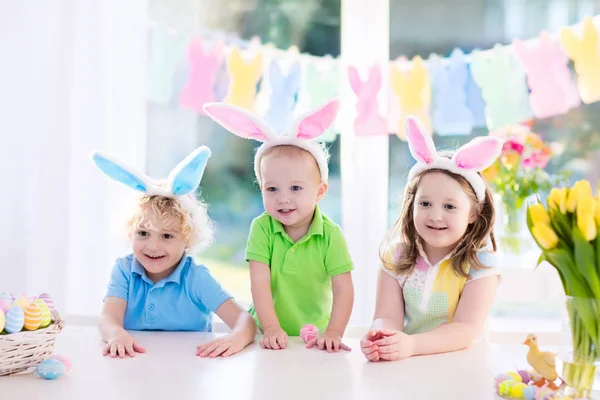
543	362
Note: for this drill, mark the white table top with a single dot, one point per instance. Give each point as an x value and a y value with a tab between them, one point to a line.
171	370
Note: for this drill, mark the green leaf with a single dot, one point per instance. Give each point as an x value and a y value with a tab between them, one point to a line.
563	262
585	261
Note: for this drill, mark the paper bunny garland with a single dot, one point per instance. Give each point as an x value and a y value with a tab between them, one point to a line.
305	129
183	179
468	160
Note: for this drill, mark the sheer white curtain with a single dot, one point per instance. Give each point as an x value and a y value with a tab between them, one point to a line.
72	79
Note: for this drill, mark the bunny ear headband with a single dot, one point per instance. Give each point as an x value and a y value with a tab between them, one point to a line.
468	160
183	179
250	126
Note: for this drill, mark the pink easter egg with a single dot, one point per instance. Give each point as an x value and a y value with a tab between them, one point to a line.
5	305
46	297
66	362
308	332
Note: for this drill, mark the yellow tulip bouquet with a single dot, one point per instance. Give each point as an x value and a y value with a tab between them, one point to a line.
566	230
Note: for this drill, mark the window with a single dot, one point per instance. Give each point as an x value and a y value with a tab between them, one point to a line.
228	184
528	299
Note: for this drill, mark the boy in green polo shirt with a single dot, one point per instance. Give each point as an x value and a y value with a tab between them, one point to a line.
300	267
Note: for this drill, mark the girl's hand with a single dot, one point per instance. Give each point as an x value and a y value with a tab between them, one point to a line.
223	346
274	338
329	341
368	347
395	345
122	344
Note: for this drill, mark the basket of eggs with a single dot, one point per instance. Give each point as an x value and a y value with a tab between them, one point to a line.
28	329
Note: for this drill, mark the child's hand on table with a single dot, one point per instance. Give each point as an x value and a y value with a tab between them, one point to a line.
330	341
388	345
274	338
224	346
122	344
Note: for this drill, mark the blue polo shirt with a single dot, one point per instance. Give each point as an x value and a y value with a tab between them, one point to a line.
183	301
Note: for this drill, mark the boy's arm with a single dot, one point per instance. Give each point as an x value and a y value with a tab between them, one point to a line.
343	300
260	284
111	318
240	322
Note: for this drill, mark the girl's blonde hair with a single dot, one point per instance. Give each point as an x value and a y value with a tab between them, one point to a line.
185	214
289	150
403	232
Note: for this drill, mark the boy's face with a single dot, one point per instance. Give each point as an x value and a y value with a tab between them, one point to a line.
159	249
291	188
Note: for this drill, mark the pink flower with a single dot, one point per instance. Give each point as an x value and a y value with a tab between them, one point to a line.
513	144
539	159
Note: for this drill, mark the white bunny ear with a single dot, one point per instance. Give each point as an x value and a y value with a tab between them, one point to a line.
121	172
240	121
314	123
419	140
478	154
186	176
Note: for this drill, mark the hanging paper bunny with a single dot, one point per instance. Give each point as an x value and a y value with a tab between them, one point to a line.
552	90
467	161
503	87
204	67
165	50
304	132
368	121
475	101
244	77
585	53
413	89
283	95
451	114
183	179
321	82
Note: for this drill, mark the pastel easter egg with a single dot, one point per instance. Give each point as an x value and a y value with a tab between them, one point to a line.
525	377
308	332
6	296
505	387
529	393
46	297
517	390
2	320
515	376
4	305
33	317
15	319
27	297
66	362
45	311
21	302
50	369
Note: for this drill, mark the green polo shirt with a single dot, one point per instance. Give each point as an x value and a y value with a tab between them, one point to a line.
300	272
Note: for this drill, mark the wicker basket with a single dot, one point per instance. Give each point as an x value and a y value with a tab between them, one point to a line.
23	351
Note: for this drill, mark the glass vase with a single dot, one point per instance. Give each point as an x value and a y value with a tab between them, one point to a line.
512	234
579	353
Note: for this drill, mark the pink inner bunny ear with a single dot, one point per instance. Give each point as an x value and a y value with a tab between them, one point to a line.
239	121
478	154
419	141
317	122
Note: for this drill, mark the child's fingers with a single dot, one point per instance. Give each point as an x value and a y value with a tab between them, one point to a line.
273	343
220	350
209	349
121	350
311	343
282	341
386	341
329	345
106	350
366	343
138	348
387	349
113	350
263	344
336	345
390	356
374	356
129	350
344	346
230	351
387	332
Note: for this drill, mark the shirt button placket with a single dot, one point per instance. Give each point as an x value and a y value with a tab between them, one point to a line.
150	309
